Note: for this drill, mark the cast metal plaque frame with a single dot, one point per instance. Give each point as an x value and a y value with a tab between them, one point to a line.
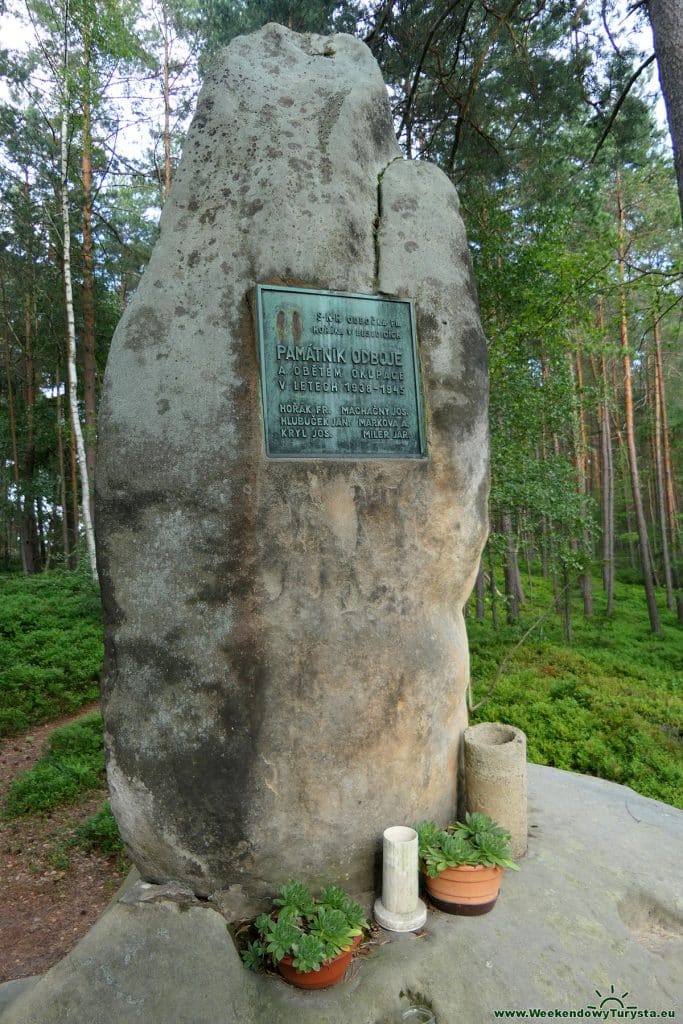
340	375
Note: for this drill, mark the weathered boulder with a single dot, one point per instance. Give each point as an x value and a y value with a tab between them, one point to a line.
286	657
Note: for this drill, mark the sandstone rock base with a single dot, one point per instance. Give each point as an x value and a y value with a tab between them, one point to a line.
585	915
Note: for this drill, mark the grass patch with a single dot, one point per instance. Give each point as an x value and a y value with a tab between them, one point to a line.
50	647
100	833
72	765
611	705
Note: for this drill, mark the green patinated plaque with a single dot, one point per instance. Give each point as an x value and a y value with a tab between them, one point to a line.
340	375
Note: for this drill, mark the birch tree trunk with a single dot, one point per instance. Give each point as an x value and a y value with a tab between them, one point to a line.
71	349
62	469
89	363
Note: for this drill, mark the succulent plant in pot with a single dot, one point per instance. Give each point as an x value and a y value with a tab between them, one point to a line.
463	863
310	941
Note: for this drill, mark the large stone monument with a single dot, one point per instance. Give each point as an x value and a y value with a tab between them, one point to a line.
291	486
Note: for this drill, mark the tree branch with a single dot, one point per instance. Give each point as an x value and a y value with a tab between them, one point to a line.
617	106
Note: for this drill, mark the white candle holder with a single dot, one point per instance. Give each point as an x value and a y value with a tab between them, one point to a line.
400	909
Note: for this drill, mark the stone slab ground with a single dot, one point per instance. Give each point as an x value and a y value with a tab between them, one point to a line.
593	919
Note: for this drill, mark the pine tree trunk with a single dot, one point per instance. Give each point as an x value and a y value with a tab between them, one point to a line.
581	466
674	597
645	561
606	485
671	503
666	19
625	484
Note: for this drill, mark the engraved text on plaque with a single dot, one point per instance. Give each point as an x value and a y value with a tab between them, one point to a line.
340	375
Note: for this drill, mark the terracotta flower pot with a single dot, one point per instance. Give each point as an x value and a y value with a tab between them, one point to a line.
331	971
468	889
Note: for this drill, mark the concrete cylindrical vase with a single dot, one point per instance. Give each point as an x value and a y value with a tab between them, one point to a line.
400	909
495	778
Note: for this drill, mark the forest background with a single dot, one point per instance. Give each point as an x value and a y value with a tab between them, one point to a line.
538	110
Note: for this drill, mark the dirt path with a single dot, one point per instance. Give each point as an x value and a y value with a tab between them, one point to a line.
49	896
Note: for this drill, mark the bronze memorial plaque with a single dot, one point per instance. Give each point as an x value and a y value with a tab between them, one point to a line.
340	375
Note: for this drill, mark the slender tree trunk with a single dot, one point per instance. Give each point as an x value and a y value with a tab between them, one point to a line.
19	498
545	548
545	370
566	606
480	591
674	597
660	498
581	466
89	360
626	493
492	590
166	87
74	513
41	530
513	582
528	549
31	560
407	88
606	483
671	503
629	422
62	470
71	346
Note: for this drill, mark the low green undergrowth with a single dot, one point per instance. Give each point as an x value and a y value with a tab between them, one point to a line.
50	647
72	765
609	705
100	833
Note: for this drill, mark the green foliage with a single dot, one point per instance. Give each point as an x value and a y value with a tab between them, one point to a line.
310	952
100	832
254	956
50	647
72	765
280	937
332	928
307	929
611	705
476	840
295	898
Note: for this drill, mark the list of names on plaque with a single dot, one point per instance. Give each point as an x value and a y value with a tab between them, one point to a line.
340	375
